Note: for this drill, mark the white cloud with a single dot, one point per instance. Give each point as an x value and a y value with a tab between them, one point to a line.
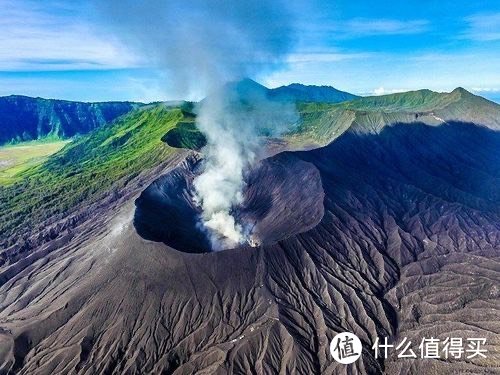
485	89
383	91
369	27
483	27
322	57
393	72
34	39
362	27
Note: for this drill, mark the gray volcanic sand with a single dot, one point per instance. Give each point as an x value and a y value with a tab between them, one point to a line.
404	243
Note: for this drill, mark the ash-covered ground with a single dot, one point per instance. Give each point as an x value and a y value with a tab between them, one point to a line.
391	234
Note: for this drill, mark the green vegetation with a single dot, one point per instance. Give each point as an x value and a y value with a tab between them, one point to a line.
185	135
14	159
88	168
421	100
104	161
321	123
25	119
318	122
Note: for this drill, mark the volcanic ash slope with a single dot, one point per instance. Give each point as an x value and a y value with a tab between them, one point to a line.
401	240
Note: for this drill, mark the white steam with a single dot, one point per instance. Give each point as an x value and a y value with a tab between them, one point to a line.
234	120
202	45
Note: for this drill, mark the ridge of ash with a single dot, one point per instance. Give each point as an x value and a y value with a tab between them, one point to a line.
283	197
408	246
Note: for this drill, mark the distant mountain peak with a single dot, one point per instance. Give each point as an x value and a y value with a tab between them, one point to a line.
302	85
460	91
311	93
296	92
245	83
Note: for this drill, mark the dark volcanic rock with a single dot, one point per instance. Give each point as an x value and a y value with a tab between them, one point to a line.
408	245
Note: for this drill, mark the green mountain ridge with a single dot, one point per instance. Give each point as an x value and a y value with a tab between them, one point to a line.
87	169
107	159
24	118
248	89
322	123
311	93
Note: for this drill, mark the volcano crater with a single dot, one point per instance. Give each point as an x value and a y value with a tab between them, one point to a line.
283	197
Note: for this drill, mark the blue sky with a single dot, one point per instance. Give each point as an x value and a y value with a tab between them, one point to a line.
63	49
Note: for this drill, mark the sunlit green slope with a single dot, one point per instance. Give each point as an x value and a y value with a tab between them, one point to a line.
88	168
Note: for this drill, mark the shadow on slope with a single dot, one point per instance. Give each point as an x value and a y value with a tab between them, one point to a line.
405	210
457	162
407	246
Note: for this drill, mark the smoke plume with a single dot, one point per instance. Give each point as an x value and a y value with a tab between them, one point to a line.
203	45
234	120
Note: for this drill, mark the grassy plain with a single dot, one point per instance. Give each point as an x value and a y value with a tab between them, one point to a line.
15	159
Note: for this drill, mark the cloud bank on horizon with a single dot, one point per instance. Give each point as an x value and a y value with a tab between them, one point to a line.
66	49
